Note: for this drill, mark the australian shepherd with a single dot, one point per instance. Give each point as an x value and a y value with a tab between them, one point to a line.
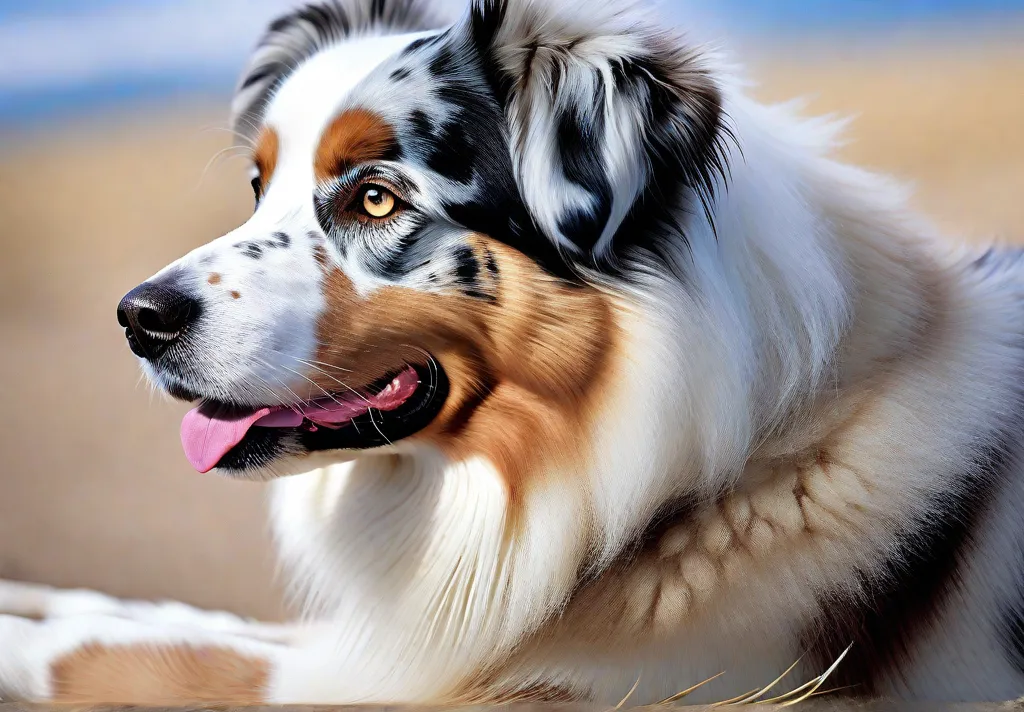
580	376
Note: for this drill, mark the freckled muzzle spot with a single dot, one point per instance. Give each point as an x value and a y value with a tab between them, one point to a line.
214	278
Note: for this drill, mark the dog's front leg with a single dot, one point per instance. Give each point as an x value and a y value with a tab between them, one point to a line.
27	600
97	659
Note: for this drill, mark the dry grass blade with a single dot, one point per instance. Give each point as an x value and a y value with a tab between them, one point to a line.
786	695
630	693
831	690
821	679
680	695
733	700
754	695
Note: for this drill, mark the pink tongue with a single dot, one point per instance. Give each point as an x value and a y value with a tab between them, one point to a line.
207	439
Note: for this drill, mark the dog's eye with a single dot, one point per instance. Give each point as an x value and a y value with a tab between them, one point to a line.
257	188
376	201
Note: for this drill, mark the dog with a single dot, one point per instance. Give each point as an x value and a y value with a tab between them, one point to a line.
580	376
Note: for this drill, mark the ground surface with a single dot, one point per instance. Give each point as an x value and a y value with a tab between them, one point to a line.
815	706
94	490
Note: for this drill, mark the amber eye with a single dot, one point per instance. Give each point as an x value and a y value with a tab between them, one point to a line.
378	202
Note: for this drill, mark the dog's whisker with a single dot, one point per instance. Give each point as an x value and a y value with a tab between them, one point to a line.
326	393
336	380
246	140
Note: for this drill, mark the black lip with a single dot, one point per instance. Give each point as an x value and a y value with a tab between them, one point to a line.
179	392
261	446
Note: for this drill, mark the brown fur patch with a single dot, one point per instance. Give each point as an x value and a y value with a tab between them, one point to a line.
158	675
548	349
235	294
355	136
214	278
265	155
526	371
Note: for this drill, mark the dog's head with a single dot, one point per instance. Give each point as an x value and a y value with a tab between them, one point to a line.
448	223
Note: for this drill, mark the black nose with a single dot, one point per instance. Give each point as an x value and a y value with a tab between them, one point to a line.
154	316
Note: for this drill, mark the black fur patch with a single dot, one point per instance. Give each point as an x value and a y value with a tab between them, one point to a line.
422	125
471	404
448	150
454	153
255	248
467	275
417	45
580	141
400	74
251	249
443	64
256	77
486	19
583	226
907	593
467	269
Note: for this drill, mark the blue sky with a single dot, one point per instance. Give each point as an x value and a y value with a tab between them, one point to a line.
787	13
60	58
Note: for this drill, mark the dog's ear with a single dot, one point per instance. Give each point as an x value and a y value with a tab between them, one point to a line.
606	113
298	35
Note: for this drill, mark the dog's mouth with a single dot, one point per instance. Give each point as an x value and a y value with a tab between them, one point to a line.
217	435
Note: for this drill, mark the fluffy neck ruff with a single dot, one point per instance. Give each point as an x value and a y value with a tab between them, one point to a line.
420	565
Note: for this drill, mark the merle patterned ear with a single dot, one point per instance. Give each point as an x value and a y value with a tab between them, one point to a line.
294	37
606	112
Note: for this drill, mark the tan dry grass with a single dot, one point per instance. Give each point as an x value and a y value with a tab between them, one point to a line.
947	119
95	490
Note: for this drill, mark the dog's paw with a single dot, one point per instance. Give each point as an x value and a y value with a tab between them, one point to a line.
21	678
101	660
29	600
30	650
22	599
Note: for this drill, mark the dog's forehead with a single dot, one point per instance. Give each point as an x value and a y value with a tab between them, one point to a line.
322	85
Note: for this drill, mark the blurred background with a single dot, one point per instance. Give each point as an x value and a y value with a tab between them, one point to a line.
115	159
